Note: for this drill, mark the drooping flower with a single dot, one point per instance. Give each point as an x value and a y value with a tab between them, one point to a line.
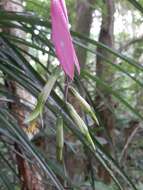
62	39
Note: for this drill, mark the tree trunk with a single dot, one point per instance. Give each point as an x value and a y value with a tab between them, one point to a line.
29	176
83	25
105	73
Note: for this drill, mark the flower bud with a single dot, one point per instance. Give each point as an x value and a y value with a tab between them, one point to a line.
83	103
80	123
59	139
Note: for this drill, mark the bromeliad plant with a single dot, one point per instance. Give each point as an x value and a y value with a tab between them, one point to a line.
15	66
65	52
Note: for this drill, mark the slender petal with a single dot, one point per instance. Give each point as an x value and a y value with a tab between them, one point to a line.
62	39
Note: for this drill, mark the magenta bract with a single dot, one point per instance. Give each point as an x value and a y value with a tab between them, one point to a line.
62	39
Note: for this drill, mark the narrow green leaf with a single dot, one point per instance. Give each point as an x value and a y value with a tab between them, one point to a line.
12	126
129	60
115	94
6	181
137	5
42	98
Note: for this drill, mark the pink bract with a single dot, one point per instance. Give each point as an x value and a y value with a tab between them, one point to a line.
62	39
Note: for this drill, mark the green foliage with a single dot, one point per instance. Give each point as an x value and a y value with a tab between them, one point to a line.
16	66
42	98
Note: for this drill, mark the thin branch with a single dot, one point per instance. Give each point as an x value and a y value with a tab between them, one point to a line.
131	42
129	140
